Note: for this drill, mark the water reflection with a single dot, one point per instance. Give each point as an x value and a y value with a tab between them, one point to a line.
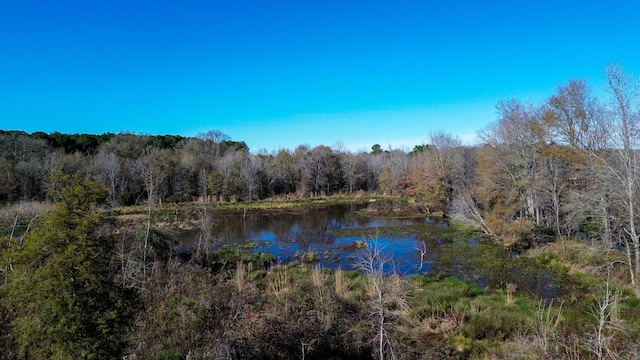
311	237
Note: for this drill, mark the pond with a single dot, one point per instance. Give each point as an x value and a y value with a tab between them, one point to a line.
340	235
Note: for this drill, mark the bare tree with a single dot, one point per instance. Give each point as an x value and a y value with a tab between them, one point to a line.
107	166
607	324
250	175
553	186
281	173
151	168
580	133
445	151
353	169
624	97
318	167
617	161
385	291
229	166
571	115
514	139
375	165
212	140
393	175
465	209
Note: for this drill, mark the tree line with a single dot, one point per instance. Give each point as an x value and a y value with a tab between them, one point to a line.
138	168
565	167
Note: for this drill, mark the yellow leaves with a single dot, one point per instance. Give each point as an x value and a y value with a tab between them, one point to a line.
424	183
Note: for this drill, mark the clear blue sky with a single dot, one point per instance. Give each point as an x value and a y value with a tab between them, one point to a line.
278	74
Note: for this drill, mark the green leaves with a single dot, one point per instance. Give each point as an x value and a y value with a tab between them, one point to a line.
65	303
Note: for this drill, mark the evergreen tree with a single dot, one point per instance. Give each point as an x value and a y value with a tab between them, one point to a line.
58	286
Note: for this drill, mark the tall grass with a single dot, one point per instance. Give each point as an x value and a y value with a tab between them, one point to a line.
339	284
279	282
240	277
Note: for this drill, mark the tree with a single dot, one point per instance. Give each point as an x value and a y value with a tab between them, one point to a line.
318	167
375	168
353	168
229	166
31	176
433	170
152	167
508	168
553	180
445	150
8	182
423	182
59	288
392	178
250	172
621	161
575	120
127	145
572	110
281	173
376	149
213	140
107	168
385	293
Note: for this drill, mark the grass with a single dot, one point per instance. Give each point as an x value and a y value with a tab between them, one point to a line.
584	257
270	204
438	296
20	215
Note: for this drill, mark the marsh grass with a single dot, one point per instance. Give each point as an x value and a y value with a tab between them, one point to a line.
489	317
240	277
585	257
503	320
16	218
340	286
436	297
270	204
511	288
278	281
288	304
318	277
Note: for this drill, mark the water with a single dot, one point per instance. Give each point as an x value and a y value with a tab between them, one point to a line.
314	236
310	237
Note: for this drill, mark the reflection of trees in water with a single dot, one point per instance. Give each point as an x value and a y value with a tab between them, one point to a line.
312	231
303	228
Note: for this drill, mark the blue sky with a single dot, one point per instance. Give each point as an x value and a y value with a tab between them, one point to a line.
278	74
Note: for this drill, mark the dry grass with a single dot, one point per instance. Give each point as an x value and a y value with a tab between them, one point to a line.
339	285
16	219
279	282
240	277
398	292
317	277
25	209
511	288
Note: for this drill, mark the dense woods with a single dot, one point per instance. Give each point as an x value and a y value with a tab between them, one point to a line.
560	171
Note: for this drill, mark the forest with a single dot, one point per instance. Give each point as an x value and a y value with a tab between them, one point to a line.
557	181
